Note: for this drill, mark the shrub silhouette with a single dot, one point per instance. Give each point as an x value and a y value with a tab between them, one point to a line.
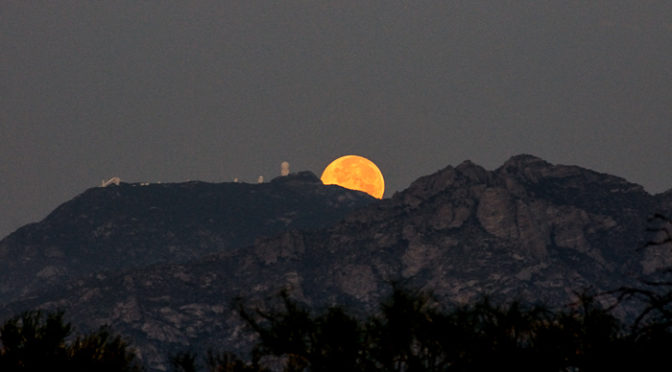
34	341
329	342
31	343
412	332
215	362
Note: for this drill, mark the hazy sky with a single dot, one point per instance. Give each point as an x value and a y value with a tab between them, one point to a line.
175	90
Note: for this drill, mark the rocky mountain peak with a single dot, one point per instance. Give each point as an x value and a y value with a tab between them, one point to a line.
524	161
425	187
526	167
444	181
547	209
472	172
520	168
530	169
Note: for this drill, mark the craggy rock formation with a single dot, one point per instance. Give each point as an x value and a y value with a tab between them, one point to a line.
529	230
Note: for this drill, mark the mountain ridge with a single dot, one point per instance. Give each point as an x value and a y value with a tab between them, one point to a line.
132	225
528	229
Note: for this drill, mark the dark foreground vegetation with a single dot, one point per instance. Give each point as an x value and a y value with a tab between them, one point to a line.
34	341
412	332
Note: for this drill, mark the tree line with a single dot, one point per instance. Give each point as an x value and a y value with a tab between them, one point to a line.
411	332
37	341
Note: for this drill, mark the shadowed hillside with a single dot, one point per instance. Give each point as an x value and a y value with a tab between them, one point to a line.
529	230
132	225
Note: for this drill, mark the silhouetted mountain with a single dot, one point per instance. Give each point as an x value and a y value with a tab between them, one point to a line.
134	225
528	230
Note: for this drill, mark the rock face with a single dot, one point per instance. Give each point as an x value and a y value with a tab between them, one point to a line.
528	230
133	225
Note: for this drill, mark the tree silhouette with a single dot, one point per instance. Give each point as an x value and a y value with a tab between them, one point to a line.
215	362
101	351
406	335
35	342
330	342
650	336
184	362
412	332
32	343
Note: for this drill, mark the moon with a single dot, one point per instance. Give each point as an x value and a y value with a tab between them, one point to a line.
355	172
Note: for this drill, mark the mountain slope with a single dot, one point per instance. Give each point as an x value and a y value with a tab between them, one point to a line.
133	225
529	230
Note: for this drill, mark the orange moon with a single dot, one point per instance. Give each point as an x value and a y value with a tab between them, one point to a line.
355	172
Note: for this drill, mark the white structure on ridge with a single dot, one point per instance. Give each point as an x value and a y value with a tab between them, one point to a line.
113	180
260	179
284	168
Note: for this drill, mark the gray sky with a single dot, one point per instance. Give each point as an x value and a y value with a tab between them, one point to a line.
175	90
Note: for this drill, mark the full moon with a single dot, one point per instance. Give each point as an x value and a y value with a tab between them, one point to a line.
355	173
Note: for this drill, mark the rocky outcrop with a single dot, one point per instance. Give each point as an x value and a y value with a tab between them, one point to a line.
529	230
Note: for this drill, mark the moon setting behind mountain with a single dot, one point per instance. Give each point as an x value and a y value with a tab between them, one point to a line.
356	173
